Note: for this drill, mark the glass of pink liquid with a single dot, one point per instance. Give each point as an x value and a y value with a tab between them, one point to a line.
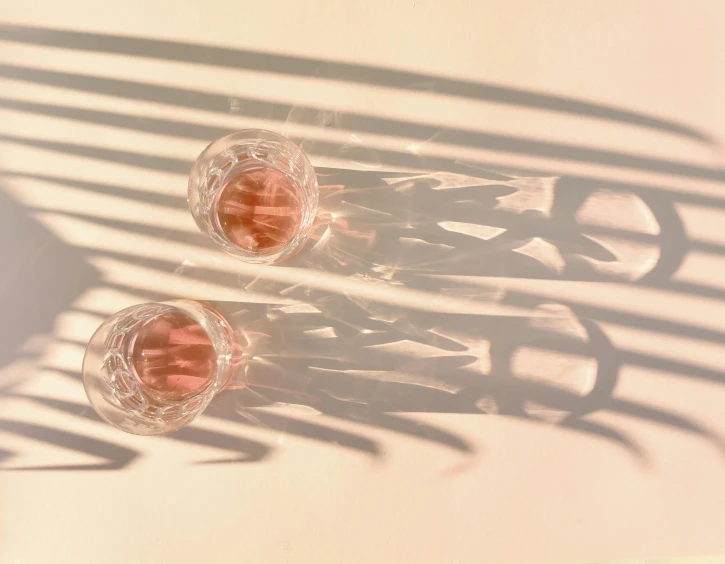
152	368
255	194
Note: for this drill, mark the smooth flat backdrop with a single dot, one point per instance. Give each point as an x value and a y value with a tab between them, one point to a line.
622	98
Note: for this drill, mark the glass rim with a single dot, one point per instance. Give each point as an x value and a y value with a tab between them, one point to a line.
208	220
100	386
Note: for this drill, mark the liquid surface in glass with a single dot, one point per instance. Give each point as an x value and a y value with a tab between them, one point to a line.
173	356
259	210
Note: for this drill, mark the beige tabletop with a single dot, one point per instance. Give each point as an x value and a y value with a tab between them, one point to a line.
557	392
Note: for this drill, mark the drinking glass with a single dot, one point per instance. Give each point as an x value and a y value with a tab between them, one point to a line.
152	368
255	194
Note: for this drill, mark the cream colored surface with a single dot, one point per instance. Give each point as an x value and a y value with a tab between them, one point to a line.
525	490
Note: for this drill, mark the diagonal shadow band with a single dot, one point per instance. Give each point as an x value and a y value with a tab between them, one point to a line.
584	311
310	116
336	71
174	201
672	239
242	449
117	456
352	73
164	164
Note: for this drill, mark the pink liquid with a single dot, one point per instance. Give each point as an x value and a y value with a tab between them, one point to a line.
259	210
173	356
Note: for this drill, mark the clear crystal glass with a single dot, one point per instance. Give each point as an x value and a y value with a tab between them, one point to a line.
255	194
152	368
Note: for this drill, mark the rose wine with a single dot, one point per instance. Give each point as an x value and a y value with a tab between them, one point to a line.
173	356
259	210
